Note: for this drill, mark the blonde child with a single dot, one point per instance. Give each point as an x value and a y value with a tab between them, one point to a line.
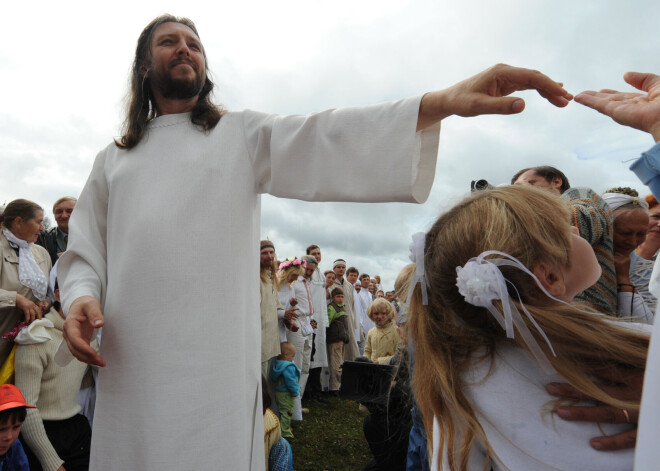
492	323
382	340
286	376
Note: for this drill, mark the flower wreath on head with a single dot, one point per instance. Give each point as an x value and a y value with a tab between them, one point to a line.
292	262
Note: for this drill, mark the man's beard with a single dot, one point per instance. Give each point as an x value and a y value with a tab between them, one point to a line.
179	88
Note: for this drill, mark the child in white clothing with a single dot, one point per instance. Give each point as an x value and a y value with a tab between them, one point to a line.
492	322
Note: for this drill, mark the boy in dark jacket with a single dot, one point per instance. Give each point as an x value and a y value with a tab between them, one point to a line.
336	335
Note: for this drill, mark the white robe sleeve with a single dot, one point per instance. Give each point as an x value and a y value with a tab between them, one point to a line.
87	250
368	154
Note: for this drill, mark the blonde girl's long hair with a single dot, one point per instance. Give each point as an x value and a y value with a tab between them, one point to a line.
450	334
283	274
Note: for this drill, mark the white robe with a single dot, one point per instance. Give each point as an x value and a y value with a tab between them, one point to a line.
166	236
317	286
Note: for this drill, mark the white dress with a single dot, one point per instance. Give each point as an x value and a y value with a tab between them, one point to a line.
166	236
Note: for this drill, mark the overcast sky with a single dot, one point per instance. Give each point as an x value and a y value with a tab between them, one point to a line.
64	70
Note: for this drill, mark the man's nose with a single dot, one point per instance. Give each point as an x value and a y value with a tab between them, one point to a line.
182	49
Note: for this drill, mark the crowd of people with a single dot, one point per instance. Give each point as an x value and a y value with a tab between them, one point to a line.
551	294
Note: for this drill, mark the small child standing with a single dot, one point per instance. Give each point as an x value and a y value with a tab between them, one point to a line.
12	416
336	335
286	376
382	340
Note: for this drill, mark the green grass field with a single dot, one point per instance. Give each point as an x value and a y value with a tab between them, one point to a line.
330	438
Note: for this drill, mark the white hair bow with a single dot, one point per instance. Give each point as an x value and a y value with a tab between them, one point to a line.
481	282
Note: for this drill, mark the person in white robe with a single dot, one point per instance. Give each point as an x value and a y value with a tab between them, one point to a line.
320	316
179	386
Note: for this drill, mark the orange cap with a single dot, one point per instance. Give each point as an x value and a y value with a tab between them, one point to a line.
11	397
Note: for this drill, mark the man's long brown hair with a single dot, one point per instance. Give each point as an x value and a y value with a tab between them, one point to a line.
141	108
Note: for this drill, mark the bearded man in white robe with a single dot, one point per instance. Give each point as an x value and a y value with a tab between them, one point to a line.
179	386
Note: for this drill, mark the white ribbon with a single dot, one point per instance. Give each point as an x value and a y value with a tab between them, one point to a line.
417	257
29	273
481	282
436	444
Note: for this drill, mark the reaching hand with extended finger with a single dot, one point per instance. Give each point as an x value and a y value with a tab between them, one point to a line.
637	110
487	93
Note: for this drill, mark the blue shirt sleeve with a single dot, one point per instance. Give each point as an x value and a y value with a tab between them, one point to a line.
647	169
15	459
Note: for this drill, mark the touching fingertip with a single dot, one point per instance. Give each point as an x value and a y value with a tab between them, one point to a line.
596	444
517	106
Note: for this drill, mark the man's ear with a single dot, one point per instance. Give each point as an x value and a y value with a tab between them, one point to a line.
557	183
551	279
144	69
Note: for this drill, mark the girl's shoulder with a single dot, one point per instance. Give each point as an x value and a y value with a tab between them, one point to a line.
507	391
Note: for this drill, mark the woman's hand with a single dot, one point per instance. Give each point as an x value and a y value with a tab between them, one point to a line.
628	387
44	305
293	301
637	110
290	314
622	267
31	311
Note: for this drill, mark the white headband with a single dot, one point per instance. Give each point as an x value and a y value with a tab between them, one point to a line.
616	200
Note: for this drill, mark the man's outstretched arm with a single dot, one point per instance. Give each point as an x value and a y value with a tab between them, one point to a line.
487	93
